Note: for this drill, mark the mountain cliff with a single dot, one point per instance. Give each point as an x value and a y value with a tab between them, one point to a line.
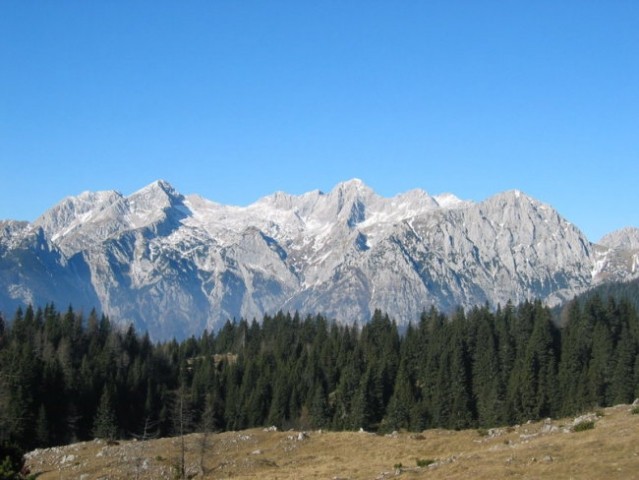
175	264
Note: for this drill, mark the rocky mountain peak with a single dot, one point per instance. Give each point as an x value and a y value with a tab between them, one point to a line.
354	184
174	265
349	201
512	197
73	210
157	195
353	190
625	238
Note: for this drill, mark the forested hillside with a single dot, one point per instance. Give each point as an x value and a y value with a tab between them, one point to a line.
64	377
617	290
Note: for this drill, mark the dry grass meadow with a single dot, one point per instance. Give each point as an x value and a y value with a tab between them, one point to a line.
549	449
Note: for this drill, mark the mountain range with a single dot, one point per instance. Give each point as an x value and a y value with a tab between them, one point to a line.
176	264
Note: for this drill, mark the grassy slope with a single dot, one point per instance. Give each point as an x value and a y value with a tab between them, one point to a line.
535	450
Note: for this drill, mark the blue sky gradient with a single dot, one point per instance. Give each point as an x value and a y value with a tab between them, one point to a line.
236	100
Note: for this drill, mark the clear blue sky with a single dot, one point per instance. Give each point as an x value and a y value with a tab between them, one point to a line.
237	99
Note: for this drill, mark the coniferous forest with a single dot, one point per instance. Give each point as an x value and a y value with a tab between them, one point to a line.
65	377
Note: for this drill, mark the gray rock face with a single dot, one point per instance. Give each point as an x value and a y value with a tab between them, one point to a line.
174	264
624	239
617	255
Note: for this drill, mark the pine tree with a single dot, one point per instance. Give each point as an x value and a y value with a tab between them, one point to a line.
182	418
278	412
462	407
366	403
42	428
398	412
258	402
622	385
506	353
532	391
105	424
487	386
233	414
345	393
576	349
320	410
440	399
601	365
207	425
429	376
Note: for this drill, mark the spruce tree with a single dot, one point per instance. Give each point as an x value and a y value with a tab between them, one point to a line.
432	388
600	369
532	389
42	434
576	348
345	393
398	412
278	412
319	409
366	403
487	385
622	385
462	406
105	424
506	353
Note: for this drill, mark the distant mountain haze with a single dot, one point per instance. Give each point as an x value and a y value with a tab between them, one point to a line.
176	264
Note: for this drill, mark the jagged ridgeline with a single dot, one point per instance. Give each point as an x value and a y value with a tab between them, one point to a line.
176	264
65	378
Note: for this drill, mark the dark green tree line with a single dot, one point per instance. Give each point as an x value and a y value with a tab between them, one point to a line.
64	377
